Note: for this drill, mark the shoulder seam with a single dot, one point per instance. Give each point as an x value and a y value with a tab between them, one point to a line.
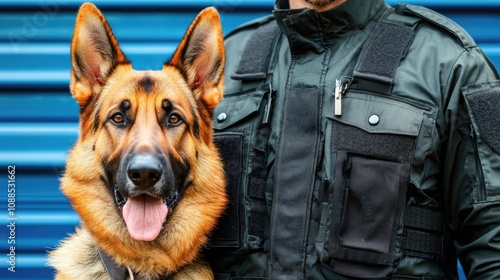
450	73
442	22
251	24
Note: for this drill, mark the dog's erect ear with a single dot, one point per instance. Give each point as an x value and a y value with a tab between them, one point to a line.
201	56
94	53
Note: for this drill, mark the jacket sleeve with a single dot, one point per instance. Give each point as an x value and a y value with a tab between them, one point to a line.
471	162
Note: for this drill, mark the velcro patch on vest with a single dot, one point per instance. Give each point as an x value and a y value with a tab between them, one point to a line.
256	56
390	146
485	108
226	234
385	52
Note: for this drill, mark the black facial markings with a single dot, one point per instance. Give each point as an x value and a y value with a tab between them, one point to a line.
196	124
96	121
125	105
167	105
104	179
125	110
110	168
181	169
146	83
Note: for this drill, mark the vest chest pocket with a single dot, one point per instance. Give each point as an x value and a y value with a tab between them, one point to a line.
373	143
236	123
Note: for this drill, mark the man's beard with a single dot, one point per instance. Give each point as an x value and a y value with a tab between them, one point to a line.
320	3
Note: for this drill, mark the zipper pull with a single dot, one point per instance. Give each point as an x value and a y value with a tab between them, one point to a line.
338	97
267	110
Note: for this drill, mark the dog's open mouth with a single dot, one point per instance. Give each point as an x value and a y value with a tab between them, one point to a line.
144	214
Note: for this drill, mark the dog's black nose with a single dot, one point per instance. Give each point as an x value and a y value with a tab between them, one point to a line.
144	170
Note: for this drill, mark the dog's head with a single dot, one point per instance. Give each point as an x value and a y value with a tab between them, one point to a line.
145	128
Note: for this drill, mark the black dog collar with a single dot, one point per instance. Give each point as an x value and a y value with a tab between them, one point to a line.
119	272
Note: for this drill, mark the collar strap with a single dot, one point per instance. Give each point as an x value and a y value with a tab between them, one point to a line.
120	272
115	271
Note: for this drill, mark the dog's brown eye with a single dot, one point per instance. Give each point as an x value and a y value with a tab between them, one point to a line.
118	118
174	119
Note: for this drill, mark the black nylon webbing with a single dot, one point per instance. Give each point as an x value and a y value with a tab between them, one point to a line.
254	62
118	272
295	174
423	232
254	70
422	244
227	232
382	54
115	271
423	218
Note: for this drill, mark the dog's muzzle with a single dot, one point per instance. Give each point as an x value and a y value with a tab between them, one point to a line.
145	195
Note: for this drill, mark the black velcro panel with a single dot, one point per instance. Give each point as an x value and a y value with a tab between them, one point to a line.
385	50
485	107
382	145
259	223
256	56
423	218
227	233
258	188
423	232
381	56
422	244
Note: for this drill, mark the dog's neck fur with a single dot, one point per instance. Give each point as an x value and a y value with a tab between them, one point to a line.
119	272
90	262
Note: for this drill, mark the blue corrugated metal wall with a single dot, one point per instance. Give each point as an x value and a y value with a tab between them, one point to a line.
38	117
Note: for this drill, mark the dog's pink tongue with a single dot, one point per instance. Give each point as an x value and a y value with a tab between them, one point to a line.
144	216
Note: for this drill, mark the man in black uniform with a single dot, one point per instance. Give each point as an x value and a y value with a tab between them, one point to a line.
360	141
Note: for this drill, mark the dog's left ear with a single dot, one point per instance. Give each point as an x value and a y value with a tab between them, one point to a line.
200	57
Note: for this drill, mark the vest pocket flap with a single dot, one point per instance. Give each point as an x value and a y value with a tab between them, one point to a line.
236	107
376	114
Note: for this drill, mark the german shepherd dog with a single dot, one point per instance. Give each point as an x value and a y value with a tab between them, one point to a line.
144	175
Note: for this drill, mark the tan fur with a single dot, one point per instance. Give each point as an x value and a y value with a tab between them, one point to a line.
99	84
86	260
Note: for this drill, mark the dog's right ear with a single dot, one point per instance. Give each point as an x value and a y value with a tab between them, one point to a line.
94	53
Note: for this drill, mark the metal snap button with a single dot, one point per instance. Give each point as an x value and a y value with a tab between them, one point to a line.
373	120
221	117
